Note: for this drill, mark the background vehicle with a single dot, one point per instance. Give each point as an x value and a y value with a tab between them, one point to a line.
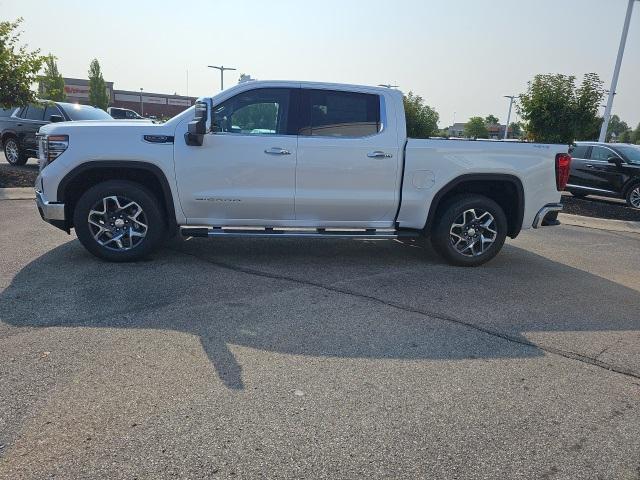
283	159
18	130
124	114
606	169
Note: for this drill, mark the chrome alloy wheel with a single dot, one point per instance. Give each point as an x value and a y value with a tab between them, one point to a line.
11	151
634	198
117	223
473	232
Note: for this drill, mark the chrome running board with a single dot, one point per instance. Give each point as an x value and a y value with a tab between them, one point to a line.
231	232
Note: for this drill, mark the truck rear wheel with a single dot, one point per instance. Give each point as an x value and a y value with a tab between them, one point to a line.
119	221
470	230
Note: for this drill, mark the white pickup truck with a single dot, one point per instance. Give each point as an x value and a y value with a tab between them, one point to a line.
292	159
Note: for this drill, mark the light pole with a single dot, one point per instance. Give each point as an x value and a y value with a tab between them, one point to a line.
141	104
506	128
222	69
616	72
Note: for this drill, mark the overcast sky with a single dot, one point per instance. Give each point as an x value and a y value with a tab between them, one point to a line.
462	56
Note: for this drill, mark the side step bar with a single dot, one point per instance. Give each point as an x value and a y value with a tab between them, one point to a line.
293	233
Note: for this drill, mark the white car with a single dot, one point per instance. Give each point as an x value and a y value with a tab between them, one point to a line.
284	159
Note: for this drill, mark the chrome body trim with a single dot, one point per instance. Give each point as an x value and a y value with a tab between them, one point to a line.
293	233
551	207
579	187
50	211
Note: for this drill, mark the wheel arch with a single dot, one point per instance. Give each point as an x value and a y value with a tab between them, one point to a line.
632	182
88	174
9	134
502	188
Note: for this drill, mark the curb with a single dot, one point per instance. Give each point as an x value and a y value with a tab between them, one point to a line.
599	223
23	193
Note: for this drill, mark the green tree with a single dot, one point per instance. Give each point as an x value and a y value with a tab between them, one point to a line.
422	120
18	67
558	112
476	128
626	136
97	87
516	129
491	120
51	83
635	135
617	127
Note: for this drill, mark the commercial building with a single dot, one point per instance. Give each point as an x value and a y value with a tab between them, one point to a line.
496	132
145	103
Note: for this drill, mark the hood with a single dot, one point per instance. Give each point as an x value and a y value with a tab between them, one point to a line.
107	125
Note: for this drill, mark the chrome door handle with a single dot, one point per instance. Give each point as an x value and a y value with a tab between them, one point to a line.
589	165
379	154
277	151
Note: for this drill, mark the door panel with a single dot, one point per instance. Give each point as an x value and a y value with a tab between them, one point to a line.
347	170
604	175
31	123
245	170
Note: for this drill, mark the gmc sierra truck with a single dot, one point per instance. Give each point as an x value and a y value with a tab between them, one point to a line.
292	159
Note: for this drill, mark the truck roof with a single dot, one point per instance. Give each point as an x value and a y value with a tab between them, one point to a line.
308	84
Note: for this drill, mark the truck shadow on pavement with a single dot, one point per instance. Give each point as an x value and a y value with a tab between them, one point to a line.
344	299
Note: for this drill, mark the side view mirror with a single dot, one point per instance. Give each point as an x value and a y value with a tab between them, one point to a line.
201	123
56	118
614	159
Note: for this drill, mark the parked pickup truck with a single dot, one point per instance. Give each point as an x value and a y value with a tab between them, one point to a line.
292	159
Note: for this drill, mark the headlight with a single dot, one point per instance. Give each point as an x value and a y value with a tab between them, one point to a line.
51	147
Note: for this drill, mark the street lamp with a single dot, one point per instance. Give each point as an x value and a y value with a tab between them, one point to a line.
387	85
141	104
222	69
616	72
506	128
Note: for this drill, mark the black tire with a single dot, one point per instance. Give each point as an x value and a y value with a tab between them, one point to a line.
13	152
453	212
125	192
578	194
633	196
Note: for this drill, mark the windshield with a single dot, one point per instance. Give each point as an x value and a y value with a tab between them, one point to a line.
85	112
632	153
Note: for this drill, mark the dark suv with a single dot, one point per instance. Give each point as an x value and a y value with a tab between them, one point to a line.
18	130
606	169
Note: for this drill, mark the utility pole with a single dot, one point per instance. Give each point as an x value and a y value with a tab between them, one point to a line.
506	128
616	72
222	69
141	104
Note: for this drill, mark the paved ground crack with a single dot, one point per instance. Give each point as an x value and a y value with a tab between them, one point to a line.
439	316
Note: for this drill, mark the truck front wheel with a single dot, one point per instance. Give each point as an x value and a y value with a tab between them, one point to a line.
470	230
119	221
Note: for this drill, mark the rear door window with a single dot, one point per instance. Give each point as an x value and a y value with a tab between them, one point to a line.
579	151
332	113
34	112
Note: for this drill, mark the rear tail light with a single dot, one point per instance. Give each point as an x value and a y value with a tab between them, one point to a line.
563	166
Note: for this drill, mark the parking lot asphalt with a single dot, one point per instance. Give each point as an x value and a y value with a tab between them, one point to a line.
318	359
